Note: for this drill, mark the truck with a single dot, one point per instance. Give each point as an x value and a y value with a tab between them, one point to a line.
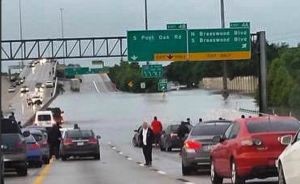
75	84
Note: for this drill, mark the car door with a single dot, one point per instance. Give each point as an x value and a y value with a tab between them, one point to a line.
219	151
291	163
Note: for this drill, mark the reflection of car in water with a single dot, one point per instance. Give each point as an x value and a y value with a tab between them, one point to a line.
37	99
136	138
196	149
34	152
24	89
12	89
14	147
78	142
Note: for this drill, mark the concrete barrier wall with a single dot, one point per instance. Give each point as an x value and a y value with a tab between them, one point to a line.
248	84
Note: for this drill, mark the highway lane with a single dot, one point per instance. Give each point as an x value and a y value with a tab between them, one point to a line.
114	115
39	73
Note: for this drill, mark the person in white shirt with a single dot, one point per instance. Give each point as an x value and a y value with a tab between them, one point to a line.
147	137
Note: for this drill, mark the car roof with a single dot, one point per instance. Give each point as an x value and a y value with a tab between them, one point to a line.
214	122
43	112
33	131
259	119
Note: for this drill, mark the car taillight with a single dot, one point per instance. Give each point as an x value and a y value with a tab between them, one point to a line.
251	142
35	146
93	141
67	141
192	145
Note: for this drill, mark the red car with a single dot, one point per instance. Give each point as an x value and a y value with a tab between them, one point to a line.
249	148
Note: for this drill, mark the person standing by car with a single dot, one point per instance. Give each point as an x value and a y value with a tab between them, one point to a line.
182	131
54	137
157	129
146	135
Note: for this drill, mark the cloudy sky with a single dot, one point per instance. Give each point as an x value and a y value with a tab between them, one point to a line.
279	18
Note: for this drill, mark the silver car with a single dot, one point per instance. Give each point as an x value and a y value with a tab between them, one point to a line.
196	150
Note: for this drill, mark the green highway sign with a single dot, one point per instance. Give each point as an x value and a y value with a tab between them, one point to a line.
189	45
162	85
239	24
219	44
147	45
176	26
152	71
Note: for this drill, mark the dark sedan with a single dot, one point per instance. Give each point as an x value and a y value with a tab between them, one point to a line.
196	150
169	138
82	143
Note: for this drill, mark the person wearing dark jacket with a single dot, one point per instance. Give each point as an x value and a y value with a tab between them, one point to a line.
147	138
182	131
54	137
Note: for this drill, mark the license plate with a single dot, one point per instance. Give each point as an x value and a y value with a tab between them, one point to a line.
80	144
207	148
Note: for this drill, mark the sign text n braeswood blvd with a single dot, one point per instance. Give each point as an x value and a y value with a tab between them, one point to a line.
189	45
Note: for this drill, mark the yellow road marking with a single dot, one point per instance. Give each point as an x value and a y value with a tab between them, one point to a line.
43	174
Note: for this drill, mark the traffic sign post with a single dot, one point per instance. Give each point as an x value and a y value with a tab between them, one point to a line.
143	85
189	45
152	71
176	26
162	85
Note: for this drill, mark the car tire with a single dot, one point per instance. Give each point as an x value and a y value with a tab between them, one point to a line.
168	148
97	156
63	158
235	178
22	171
215	179
281	177
39	164
186	171
46	160
162	148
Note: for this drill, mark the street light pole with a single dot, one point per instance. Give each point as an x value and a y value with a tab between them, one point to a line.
62	29
1	154
225	72
21	30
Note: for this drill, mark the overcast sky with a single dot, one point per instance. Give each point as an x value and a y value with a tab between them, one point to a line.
279	18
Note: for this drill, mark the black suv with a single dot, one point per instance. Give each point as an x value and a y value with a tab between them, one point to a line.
14	147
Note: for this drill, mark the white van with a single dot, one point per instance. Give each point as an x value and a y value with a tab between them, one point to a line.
44	118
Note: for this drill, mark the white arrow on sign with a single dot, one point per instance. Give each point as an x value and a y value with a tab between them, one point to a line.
134	57
244	45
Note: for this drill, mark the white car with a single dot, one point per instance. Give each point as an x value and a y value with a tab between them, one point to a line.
24	89
288	162
44	119
11	89
49	84
37	99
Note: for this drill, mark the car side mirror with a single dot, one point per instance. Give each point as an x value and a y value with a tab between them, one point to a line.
98	137
286	140
136	131
26	133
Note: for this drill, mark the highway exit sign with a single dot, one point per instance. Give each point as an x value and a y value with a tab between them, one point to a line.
162	85
152	71
189	45
176	26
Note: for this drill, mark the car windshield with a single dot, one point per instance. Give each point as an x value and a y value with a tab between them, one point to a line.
209	129
30	139
37	137
45	117
273	126
75	134
174	128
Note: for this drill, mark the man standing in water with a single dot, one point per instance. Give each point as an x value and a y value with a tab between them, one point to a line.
147	137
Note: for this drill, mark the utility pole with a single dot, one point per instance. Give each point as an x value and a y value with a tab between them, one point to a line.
263	104
1	153
225	72
62	30
21	30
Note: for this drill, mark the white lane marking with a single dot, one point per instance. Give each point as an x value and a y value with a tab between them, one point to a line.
129	158
109	143
96	87
142	165
189	183
121	153
161	172
114	148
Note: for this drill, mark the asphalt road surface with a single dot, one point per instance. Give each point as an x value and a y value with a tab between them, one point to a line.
114	115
